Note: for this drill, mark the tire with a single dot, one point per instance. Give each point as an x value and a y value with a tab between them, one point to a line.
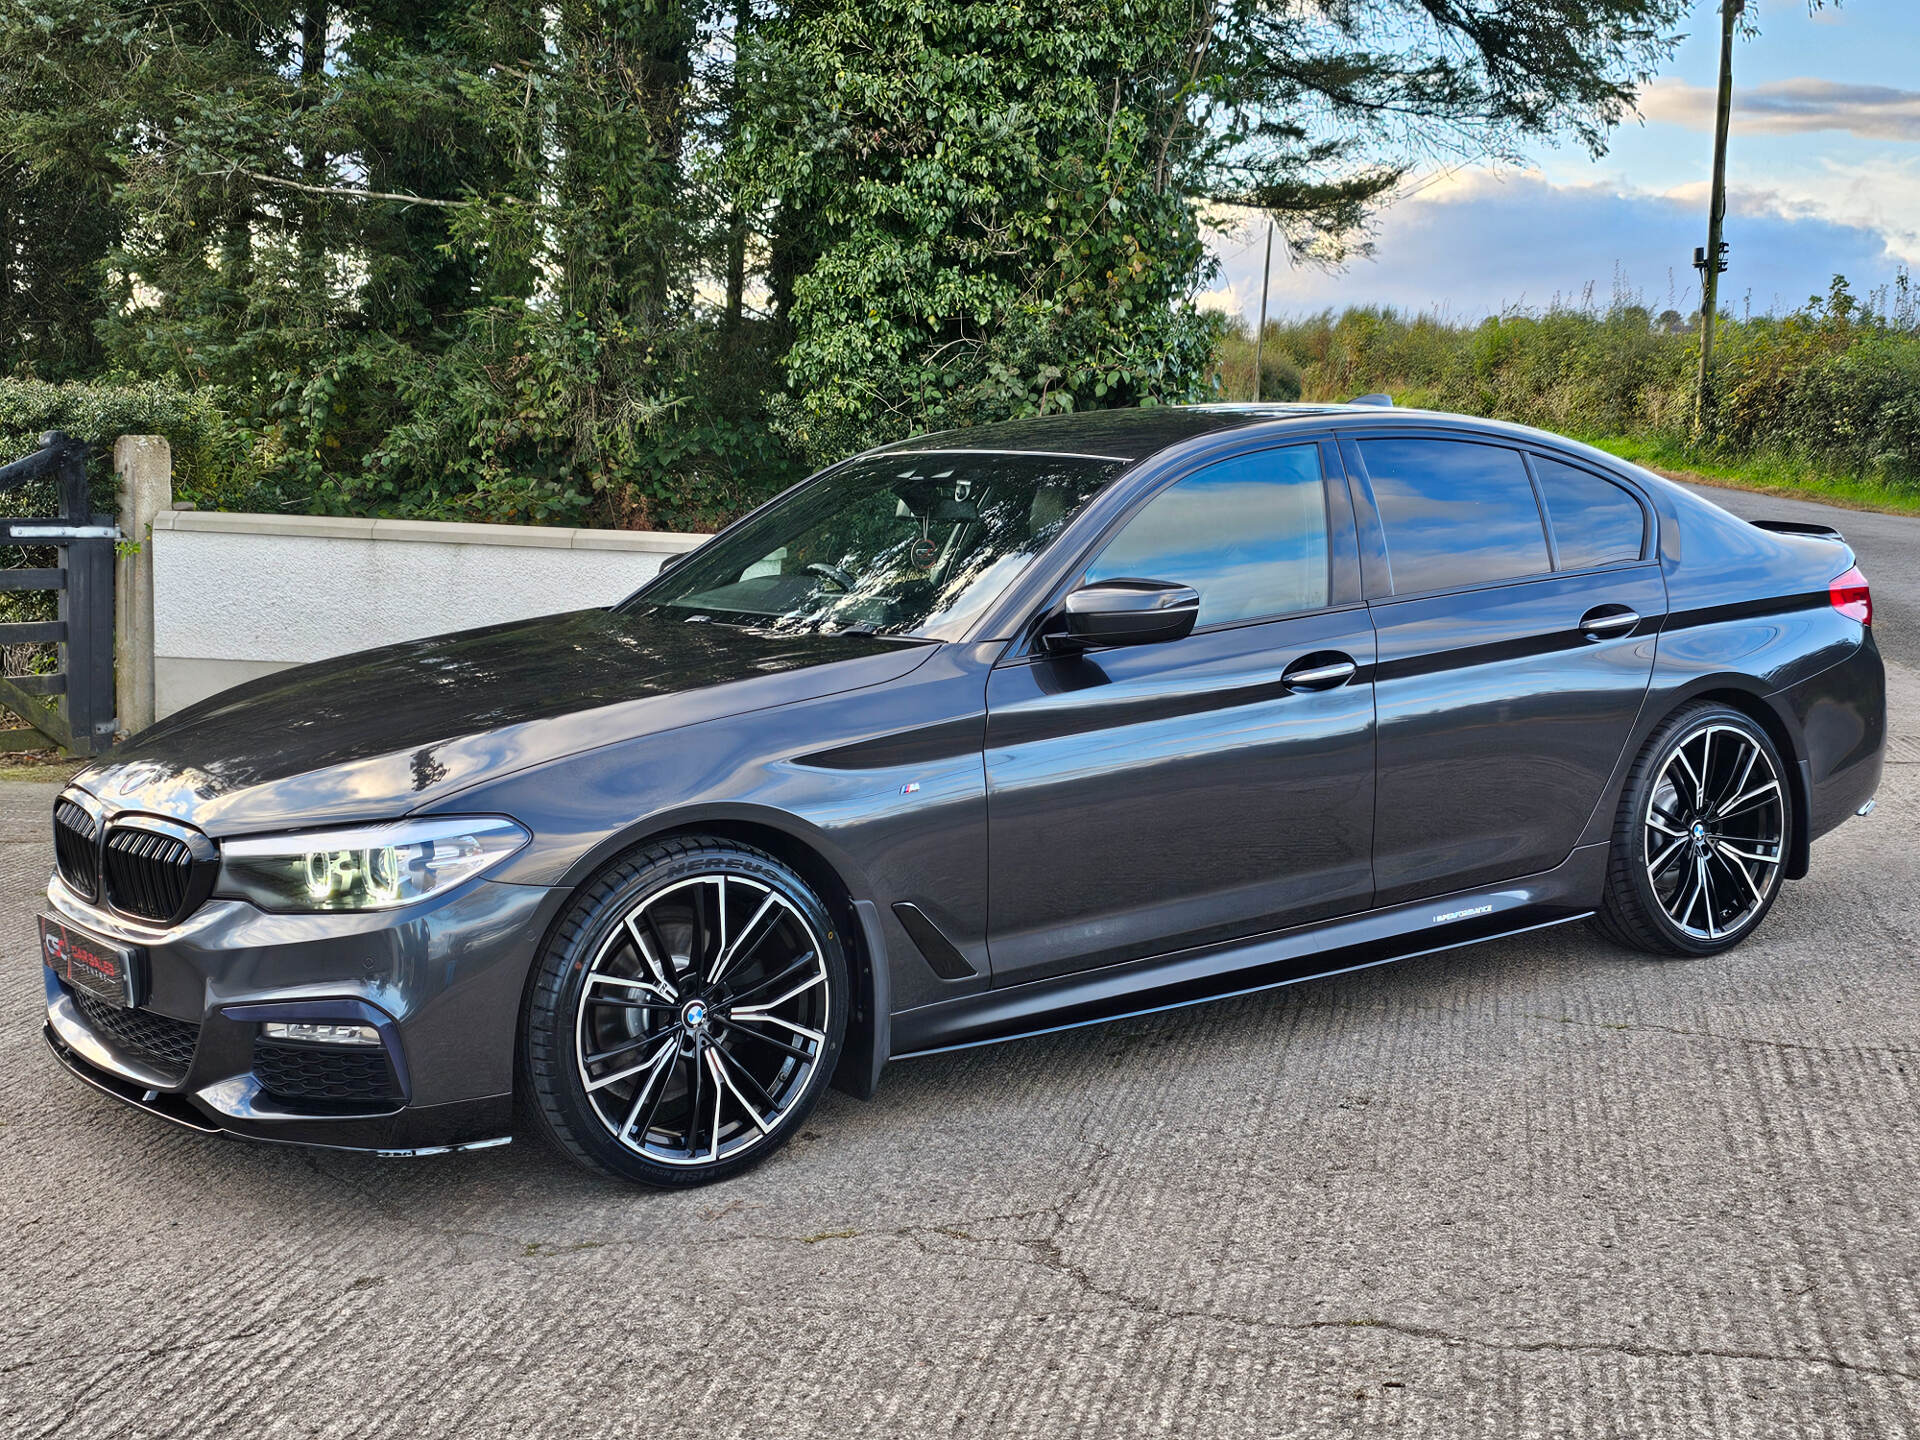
684	1015
1700	842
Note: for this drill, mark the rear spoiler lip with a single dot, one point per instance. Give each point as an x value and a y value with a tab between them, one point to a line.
1799	527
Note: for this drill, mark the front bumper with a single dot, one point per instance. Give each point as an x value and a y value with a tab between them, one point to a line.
439	983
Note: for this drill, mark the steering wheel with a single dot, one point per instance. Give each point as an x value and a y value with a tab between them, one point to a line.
834	573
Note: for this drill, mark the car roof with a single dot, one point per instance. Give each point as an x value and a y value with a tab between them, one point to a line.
1137	434
1129	435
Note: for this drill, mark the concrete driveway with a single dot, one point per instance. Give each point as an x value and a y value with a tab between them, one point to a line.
1542	1187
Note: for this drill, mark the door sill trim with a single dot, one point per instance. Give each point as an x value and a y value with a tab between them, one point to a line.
1197	977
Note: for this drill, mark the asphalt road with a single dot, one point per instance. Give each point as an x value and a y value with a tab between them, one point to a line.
1538	1188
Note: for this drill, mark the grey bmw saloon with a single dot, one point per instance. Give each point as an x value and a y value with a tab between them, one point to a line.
968	737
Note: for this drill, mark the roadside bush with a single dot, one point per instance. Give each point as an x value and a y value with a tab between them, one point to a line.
1833	387
1281	377
541	418
211	455
492	430
208	462
1830	383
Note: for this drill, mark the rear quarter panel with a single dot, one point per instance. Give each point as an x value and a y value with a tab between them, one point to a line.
1749	615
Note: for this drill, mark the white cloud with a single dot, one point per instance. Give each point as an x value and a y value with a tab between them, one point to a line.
1477	242
1879	193
1791	107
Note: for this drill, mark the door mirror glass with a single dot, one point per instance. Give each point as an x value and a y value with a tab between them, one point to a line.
1123	612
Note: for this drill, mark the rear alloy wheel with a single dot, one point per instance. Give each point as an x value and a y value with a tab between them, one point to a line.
1700	848
687	1015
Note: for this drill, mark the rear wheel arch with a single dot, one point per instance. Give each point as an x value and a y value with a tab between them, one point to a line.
1736	692
1649	902
1756	708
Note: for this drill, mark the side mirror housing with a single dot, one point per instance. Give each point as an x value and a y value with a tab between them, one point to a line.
1122	612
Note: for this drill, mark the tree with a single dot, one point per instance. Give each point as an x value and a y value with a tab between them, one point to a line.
1002	202
440	255
985	220
58	219
633	261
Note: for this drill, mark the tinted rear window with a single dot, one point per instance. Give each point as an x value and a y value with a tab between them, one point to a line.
1595	522
1455	513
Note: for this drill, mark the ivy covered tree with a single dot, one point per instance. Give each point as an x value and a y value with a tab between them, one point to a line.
977	193
638	261
999	203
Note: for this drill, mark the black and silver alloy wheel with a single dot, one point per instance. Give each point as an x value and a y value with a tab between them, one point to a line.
703	1014
697	1007
1700	848
1716	823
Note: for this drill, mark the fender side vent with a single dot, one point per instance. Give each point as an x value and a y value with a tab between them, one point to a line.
947	961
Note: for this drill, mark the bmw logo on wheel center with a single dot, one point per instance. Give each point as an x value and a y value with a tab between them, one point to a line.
966	738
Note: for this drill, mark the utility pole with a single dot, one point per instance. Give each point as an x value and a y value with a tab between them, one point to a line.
1712	260
1260	335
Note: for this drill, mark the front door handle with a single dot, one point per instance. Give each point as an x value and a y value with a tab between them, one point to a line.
1326	670
1605	620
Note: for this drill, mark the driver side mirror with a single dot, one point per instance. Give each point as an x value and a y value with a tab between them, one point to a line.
1122	612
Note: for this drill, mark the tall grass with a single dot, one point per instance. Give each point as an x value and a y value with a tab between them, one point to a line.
1826	397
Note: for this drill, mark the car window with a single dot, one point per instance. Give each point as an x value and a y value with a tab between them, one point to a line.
1250	534
1454	513
1595	522
911	544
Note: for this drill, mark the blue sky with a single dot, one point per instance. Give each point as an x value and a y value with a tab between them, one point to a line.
1823	178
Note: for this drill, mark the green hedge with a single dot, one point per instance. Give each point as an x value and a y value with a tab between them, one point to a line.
210	465
1832	390
211	455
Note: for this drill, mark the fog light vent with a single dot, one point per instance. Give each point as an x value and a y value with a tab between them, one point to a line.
326	1076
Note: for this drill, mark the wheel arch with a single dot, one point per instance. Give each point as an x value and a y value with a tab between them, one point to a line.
1741	693
830	874
1756	708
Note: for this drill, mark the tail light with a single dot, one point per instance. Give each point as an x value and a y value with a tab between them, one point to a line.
1851	597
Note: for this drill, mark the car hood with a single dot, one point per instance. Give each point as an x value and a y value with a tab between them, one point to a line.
383	732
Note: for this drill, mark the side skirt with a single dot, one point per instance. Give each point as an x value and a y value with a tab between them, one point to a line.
1287	957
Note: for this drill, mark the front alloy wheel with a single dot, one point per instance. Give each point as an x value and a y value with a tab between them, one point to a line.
687	1014
1700	849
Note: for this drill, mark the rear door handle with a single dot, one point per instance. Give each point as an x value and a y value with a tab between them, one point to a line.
1327	670
1605	620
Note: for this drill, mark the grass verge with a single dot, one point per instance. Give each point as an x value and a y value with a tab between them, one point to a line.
1765	475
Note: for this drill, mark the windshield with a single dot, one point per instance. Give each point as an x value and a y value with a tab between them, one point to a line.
912	545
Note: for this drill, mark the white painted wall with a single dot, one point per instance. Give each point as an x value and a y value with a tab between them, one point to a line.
238	596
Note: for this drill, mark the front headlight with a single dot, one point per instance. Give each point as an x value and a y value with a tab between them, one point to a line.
370	867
